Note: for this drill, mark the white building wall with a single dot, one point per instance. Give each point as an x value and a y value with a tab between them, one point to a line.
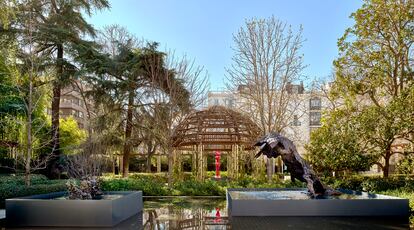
298	130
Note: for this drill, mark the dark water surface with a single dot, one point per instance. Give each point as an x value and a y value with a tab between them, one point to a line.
199	213
211	213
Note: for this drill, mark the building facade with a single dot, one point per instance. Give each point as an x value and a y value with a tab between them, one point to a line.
305	111
72	103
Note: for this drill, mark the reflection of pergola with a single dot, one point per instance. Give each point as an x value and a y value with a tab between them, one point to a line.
214	129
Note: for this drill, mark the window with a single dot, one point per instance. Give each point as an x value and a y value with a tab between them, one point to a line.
80	114
295	121
66	100
216	102
315	118
315	103
75	101
231	103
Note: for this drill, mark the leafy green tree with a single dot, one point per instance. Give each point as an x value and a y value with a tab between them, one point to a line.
72	135
375	68
376	55
335	146
58	30
6	12
124	75
22	110
10	101
11	108
406	165
377	133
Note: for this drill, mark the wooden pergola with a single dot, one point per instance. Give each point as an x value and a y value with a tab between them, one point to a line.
214	129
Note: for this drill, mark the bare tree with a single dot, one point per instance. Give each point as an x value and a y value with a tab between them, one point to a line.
266	62
185	88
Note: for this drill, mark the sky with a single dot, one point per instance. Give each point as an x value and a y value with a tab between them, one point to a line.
203	29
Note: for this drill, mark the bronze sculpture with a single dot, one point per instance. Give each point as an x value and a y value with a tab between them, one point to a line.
274	145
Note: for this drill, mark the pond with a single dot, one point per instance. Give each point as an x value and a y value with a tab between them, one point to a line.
211	213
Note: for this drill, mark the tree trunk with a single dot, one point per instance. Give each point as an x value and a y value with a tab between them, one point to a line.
29	132
148	168
270	169
170	166
52	165
158	164
128	133
386	168
149	155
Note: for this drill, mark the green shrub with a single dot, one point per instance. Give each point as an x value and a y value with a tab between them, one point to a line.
11	190
196	188
353	183
147	186
369	184
19	179
211	174
382	184
158	177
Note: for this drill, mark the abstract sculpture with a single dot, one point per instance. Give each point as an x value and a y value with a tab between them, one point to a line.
274	145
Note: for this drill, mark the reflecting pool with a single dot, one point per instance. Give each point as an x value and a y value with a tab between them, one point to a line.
185	213
177	213
208	213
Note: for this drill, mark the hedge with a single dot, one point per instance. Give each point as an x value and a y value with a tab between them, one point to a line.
13	186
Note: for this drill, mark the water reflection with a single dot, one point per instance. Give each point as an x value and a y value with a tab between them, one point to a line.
200	214
185	213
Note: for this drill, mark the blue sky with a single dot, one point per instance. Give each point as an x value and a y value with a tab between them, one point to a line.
203	29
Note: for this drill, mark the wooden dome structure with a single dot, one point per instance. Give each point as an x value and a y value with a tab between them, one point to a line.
218	128
215	129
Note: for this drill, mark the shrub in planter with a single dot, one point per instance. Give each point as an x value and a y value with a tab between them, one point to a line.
86	189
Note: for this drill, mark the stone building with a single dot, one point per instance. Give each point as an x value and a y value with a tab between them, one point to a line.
72	103
305	116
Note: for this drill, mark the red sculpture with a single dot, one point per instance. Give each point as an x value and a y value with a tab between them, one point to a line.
218	216
217	157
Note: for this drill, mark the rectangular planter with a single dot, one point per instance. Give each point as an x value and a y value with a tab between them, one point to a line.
366	205
44	210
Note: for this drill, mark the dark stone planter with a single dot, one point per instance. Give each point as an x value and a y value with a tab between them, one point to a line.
364	205
44	210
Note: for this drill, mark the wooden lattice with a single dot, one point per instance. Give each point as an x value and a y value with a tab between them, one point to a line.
216	128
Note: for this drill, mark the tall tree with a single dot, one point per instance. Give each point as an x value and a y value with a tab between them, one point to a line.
24	102
59	30
336	146
375	64
126	74
266	61
184	88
